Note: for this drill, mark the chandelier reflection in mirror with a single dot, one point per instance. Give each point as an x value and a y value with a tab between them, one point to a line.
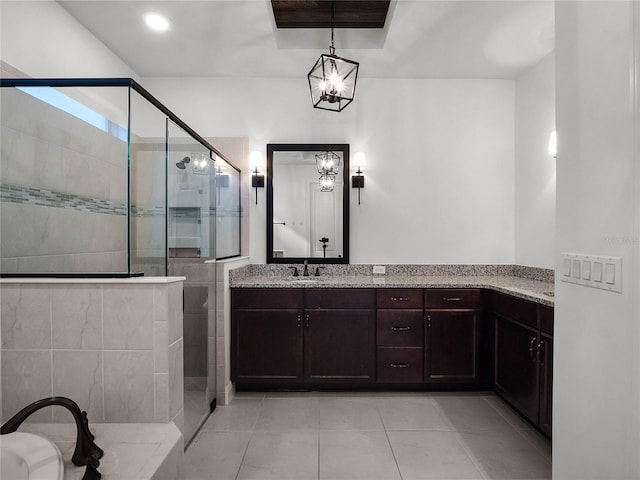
328	163
332	80
327	182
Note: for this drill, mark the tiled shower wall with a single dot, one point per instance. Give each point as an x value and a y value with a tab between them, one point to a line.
113	346
63	191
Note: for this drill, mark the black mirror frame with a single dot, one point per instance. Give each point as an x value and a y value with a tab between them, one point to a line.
307	147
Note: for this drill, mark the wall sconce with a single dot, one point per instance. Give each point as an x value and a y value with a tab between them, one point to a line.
357	180
256	163
553	144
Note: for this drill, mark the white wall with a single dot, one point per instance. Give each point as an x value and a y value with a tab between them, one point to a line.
440	157
597	333
535	170
42	40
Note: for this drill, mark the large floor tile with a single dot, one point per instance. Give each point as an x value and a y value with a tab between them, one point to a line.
288	414
215	455
281	456
510	415
470	413
411	413
435	455
356	455
241	414
505	456
349	413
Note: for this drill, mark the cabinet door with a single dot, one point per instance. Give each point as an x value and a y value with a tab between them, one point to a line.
267	346
451	346
339	346
516	366
546	382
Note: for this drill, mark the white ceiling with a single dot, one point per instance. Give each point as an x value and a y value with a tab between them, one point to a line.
238	38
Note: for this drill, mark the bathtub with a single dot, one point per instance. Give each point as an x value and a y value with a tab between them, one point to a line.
25	456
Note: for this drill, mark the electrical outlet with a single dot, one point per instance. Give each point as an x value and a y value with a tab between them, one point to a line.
379	269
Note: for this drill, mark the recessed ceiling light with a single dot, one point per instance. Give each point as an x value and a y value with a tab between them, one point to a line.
156	22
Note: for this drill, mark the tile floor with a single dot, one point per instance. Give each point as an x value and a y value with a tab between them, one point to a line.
372	436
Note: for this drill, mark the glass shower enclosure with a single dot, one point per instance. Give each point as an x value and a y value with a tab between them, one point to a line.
88	184
99	179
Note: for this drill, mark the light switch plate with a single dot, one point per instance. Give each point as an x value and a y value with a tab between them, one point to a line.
604	273
379	269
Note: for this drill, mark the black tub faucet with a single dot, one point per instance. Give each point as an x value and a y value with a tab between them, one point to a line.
86	452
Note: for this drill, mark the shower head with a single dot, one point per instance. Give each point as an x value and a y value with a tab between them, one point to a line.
182	164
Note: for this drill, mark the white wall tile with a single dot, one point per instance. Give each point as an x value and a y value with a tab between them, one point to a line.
128	317
174	311
76	316
162	397
78	376
26	317
176	377
129	386
31	370
161	347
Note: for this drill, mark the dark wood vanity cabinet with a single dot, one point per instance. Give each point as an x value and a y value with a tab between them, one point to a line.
399	335
266	338
303	336
339	336
453	326
523	357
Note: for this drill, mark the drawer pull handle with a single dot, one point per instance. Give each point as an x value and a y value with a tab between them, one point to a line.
398	365
452	299
400	329
400	299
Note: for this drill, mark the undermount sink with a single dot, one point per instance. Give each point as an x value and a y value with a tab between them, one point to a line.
305	280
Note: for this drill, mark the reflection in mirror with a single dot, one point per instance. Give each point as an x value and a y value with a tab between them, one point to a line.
307	203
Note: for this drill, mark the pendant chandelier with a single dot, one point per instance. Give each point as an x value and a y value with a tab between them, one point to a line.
332	80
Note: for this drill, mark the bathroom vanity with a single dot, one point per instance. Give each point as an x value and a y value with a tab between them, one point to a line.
418	333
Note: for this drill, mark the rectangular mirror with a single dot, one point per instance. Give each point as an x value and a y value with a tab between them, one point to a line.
308	203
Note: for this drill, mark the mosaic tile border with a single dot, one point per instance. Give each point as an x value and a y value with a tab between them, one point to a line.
25	195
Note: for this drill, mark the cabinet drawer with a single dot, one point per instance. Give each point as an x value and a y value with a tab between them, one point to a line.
516	309
339	298
400	364
266	298
546	319
452	298
399	298
400	328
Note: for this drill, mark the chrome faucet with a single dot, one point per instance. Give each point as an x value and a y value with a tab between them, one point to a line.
306	268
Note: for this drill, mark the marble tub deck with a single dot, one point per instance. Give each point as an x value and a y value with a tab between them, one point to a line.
132	451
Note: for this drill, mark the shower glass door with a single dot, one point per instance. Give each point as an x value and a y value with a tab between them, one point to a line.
191	238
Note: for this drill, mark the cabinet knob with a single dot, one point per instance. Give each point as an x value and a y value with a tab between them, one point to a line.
400	329
452	299
400	299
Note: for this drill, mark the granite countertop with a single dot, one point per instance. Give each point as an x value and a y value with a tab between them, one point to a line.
526	288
